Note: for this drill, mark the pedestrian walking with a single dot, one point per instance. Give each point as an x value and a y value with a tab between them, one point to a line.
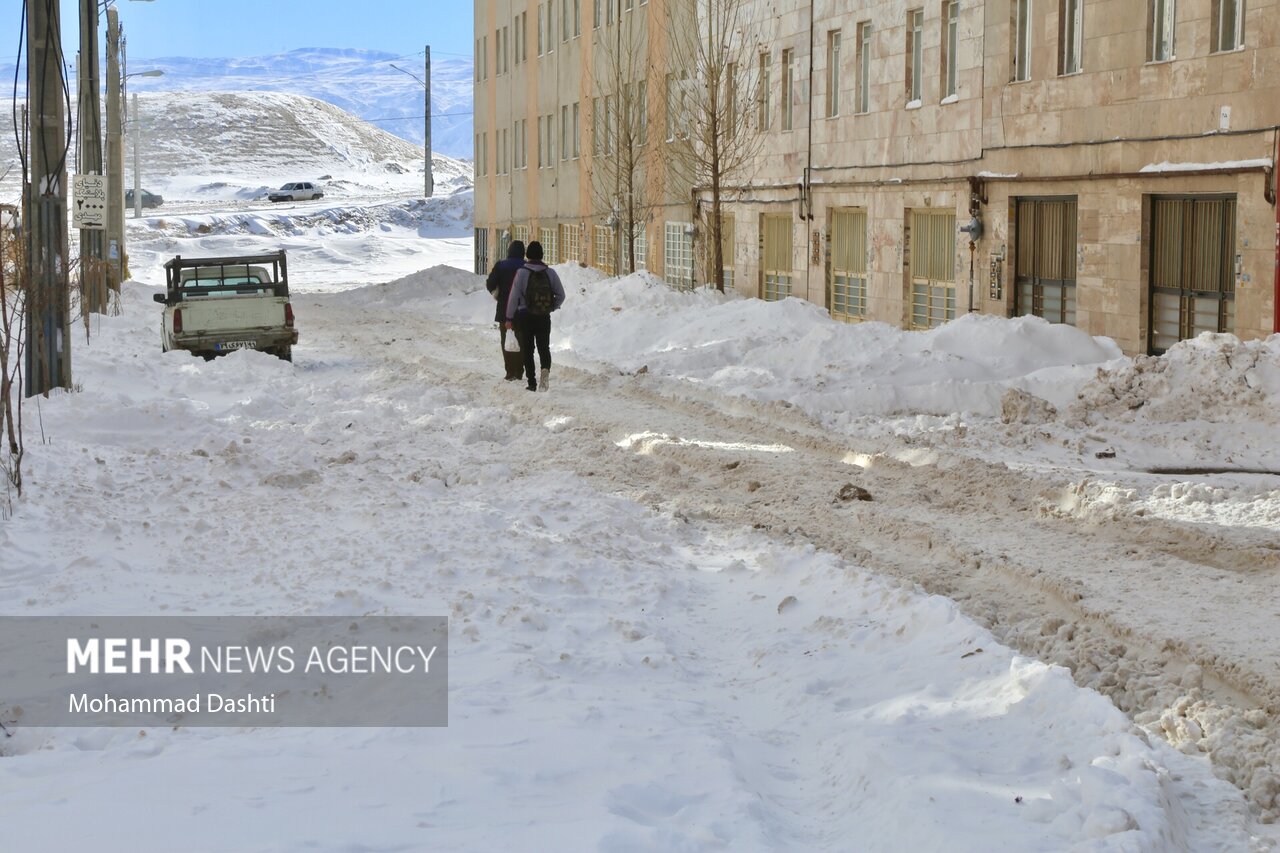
535	293
499	284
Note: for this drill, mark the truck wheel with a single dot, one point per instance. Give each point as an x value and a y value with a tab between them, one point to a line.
285	352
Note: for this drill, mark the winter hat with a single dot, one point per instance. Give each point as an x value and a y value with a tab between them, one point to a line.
534	252
516	249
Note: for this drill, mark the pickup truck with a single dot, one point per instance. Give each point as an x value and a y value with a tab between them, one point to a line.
213	306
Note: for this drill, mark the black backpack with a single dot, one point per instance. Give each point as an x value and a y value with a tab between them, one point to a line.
539	296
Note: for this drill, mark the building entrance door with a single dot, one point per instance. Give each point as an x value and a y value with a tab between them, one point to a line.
1192	268
1045	272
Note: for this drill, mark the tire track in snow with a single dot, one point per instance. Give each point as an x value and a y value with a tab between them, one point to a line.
1062	589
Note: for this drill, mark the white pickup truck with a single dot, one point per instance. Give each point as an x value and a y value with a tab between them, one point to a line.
213	306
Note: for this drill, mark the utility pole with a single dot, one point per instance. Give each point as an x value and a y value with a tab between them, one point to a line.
426	144
48	314
93	282
115	155
137	161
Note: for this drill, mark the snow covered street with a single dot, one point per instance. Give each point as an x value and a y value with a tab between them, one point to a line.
674	623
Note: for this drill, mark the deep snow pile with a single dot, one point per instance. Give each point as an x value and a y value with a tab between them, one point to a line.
1066	398
792	351
620	680
423	289
1215	378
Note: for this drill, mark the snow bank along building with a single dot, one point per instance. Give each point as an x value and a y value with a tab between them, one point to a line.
1115	159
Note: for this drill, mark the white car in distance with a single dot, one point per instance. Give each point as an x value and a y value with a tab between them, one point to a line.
296	191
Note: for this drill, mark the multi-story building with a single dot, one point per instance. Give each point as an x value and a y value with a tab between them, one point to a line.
1117	157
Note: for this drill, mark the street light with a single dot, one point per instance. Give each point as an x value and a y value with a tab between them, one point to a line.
428	181
137	141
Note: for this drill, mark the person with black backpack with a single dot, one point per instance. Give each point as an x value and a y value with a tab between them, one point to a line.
499	284
535	293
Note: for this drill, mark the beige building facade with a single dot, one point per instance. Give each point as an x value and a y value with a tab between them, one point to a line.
1115	159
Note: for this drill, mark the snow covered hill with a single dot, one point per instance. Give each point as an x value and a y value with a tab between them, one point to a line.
361	82
200	142
234	146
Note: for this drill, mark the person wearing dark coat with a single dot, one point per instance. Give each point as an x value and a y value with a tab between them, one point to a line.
499	285
533	329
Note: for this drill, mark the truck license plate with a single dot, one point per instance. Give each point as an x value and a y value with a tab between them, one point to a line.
235	345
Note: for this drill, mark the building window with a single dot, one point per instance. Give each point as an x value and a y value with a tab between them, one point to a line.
565	30
542	14
484	57
950	46
541	151
521	233
598	13
762	96
673	96
569	244
1228	24
596	127
1071	36
1021	46
847	285
728	239
551	27
639	243
610	123
577	18
1193	282
576	131
481	251
776	273
788	88
549	129
731	97
564	132
833	74
931	247
1163	23
864	67
547	237
642	112
609	11
1045	259
678	254
479	63
915	56
603	244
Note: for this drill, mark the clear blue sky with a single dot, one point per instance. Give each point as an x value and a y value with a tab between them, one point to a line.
257	27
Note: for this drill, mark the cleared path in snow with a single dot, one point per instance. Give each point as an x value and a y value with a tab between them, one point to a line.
1150	612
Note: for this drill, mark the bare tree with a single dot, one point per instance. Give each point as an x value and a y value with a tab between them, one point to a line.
711	96
13	293
620	129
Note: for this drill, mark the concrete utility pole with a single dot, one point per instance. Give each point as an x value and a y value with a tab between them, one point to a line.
137	159
115	156
426	144
48	314
93	277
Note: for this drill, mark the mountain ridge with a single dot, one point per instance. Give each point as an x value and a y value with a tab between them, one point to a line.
360	81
